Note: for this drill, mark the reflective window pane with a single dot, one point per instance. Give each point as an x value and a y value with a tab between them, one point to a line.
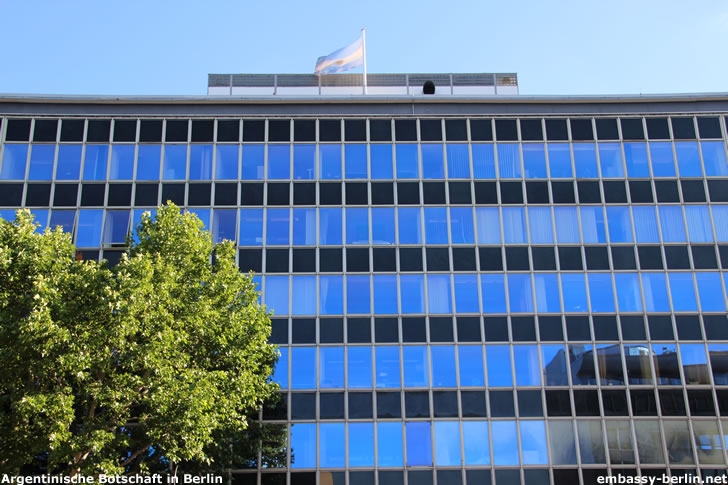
432	161
591	442
69	162
116	226
415	366
483	161
385	294
407	161
443	366
251	227
509	161
254	160
330	162
277	227
200	162
600	292
357	294
699	226
387	367
357	225
683	292
389	444
688	158
280	373
122	162
710	292
458	161
475	442
470	359
574	291
655	291
410	226
438	293
514	225
620	225
14	162
585	160
488	222
279	161
383	225
148	162
554	365
41	161
304	162
678	442
331	295
419	444
505	443
619	442
563	445
671	222
645	224
592	224
304	226
276	294
533	443
412	289
226	162
303	445
498	358
436	225
629	298
333	445
303	295
88	234
223	225
381	162
708	442
447	443
519	293
494	293
303	367
361	444
94	162
175	162
539	224
714	158
694	364
534	160
528	370
355	161
461	225
330	226
331	370
663	163
466	293
610	159
560	160
635	156
359	370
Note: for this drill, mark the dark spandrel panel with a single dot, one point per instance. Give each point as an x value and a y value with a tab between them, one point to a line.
597	257
481	130
278	194
563	192
380	130
672	402
451	477
543	258
382	193
537	476
650	257
358	478
501	404
605	327
709	127
570	258
150	131
463	259
176	193
660	327
276	260
556	130
386	330
384	259
723	253
356	193
279	130
704	257
360	405
643	402
86	255
577	328
517	258
693	190
145	195
496	329
683	128
357	259
410	259
304	193
491	259
507	476
716	327
391	478
531	130
408	192
581	129
65	195
329	130
460	193
330	193
657	129
303	331
417	404
589	192
98	130
176	130
433	192
125	130
405	130
537	192
718	190
523	329
607	129
331	330
45	130
623	257
473	404
558	403
229	130
91	194
550	328
18	130
456	130
529	404
246	479
688	327
35	195
430	130
303	405
119	195
615	403
438	259
632	129
202	130
511	192
677	257
413	329
304	130
468	329
251	260
355	130
303	478
701	402
331	405
359	330
614	191
640	191
667	191
586	402
199	194
633	327
389	405
486	193
482	477
279	327
112	257
226	193
506	130
441	329
420	477
330	260
251	194
72	130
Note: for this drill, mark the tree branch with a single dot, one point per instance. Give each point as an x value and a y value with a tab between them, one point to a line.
135	455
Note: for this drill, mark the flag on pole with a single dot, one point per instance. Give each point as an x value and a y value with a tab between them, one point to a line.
340	60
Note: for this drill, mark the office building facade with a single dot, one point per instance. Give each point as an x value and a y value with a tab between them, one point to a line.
467	288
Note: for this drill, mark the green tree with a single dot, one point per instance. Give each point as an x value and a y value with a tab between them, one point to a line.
154	362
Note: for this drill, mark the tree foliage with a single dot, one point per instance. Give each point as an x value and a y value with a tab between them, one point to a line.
123	370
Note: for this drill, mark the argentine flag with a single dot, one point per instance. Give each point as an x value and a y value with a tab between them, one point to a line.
343	59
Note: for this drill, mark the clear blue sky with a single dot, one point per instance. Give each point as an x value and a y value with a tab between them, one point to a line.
169	46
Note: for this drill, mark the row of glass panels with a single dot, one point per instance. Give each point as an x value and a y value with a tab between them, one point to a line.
438	366
361	161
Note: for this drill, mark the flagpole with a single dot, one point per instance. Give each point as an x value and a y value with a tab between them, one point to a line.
364	54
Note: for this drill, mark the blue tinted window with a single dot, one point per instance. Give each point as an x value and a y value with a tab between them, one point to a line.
203	215
331	293
361	444
438	293
436	225
509	161
226	161
475	443
383	225
635	156
148	162
663	163
539	224
303	445
528	369
69	162
620	226
443	366
458	161
41	162
276	294
533	441
554	365
466	293
355	160
175	162
432	161
693	358
330	226
122	162
381	156
717	354
330	161
610	158
66	219
412	288
94	162
514	225
331	371
688	158
711	292
645	224
488	225
419	444
385	294
600	292
592	224
699	224
655	289
534	160
505	443
389	444
415	366
88	234
254	160
223	225
559	160
519	293
547	293
407	161
15	158
585	160
359	369
357	226
116	226
461	225
714	158
40	216
304	226
303	367
567	225
494	293
470	360
410	226
200	162
671	222
304	162
447	443
277	227
304	295
574	291
9	215
498	364
251	227
357	294
387	366
280	373
279	161
333	445
720	221
629	298
483	161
